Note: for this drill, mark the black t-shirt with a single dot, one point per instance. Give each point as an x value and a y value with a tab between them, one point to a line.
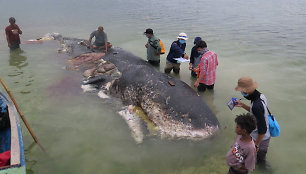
258	109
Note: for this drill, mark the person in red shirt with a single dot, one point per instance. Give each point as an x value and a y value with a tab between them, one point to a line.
207	66
12	34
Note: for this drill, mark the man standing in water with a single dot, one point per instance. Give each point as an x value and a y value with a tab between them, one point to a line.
258	109
153	48
195	58
12	34
208	67
101	40
177	50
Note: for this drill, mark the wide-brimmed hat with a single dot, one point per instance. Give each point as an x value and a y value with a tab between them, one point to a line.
182	36
246	85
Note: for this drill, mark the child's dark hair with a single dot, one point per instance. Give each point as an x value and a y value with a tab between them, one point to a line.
246	121
201	44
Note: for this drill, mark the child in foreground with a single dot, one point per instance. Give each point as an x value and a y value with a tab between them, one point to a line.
242	156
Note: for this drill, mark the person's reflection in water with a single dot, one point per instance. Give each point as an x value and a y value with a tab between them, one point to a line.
209	97
18	60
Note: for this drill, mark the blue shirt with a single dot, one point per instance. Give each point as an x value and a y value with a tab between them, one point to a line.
177	50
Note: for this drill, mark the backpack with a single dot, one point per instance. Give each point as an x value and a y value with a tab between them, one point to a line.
162	50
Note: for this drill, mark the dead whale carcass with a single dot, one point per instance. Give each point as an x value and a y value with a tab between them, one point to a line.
177	111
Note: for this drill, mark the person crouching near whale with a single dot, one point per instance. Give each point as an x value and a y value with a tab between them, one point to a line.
207	67
153	48
177	50
100	40
242	155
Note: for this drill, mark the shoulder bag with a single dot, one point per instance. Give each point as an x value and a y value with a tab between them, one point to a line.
273	124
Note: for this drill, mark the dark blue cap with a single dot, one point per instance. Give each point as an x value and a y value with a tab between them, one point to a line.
197	39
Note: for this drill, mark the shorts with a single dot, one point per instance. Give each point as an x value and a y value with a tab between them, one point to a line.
202	87
100	44
174	66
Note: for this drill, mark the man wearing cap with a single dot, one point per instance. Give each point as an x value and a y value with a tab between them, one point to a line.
177	50
195	57
207	68
12	34
258	109
153	48
101	40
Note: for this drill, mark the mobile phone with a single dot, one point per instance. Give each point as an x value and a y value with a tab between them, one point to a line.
231	103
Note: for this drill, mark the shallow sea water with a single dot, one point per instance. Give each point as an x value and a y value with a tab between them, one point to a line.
84	134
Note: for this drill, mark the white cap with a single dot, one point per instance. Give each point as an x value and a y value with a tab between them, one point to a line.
182	36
